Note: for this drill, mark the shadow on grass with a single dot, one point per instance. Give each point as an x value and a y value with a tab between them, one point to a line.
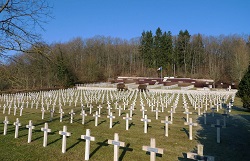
185	130
115	123
125	149
131	124
235	138
101	144
102	122
76	143
89	121
54	141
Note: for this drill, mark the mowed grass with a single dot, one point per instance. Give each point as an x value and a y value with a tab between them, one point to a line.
235	139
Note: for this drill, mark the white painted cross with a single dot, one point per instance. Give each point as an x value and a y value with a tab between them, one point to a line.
205	117
166	122
111	117
171	114
71	115
218	126
191	124
61	114
199	155
17	124
6	122
119	110
152	149
187	113
143	110
21	111
127	118
146	120
45	130
99	109
109	108
83	116
90	109
116	144
43	110
30	127
88	138
131	111
64	133
96	118
156	113
51	114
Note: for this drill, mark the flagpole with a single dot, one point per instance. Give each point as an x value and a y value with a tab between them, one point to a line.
161	73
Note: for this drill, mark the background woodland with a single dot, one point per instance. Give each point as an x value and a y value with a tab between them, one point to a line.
221	58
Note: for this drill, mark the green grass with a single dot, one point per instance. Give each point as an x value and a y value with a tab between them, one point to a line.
235	139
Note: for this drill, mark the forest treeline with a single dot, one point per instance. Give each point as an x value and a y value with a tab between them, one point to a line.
221	58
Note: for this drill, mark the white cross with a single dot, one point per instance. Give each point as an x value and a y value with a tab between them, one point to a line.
17	124
156	113
90	109
131	111
152	149
166	122
30	127
45	130
199	155
96	118
6	122
109	108
143	111
218	126
127	118
119	110
99	109
187	113
43	110
171	114
64	133
71	115
111	117
146	120
83	116
191	124
88	138
61	114
116	144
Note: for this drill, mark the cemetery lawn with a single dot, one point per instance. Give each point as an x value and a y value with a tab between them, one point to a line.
235	138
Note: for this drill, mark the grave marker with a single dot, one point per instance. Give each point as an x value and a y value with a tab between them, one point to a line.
191	124
30	127
111	117
96	118
116	144
127	118
199	155
218	127
146	120
45	130
152	149
71	115
17	124
64	133
83	116
166	122
88	138
6	122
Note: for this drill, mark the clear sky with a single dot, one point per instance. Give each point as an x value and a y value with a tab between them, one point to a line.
127	19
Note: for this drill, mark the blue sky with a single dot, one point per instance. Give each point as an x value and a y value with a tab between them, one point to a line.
127	19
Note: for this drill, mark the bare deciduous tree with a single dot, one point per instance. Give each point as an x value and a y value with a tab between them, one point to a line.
20	23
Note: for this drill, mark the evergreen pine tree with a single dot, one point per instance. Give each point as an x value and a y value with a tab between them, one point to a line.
244	89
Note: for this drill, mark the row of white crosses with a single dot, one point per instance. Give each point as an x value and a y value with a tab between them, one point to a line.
152	149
